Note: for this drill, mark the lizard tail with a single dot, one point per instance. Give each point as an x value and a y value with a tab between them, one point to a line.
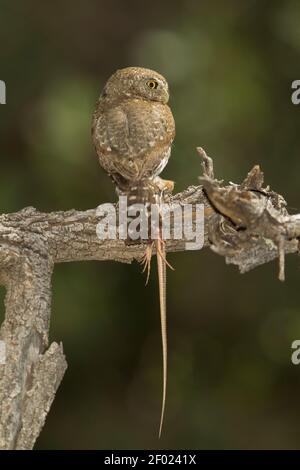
161	269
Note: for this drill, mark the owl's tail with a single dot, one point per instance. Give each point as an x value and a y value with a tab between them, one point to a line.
142	192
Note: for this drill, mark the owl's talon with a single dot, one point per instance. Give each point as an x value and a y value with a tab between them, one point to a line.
164	186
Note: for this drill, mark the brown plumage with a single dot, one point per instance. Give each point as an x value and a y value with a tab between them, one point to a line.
133	130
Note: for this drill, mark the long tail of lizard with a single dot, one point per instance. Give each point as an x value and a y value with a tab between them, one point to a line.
162	280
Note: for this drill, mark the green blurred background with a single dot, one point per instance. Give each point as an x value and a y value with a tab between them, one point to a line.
230	66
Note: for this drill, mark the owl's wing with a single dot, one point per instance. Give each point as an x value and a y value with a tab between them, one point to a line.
149	124
153	131
111	138
128	135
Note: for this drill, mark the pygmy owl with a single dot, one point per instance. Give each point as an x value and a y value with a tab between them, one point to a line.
133	129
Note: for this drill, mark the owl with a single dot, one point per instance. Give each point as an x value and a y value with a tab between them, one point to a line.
133	129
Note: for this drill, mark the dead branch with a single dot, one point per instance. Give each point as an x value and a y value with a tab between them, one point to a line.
246	223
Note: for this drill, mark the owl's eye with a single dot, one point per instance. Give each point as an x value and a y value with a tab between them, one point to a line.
152	84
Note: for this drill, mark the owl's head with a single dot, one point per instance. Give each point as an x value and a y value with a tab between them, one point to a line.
136	82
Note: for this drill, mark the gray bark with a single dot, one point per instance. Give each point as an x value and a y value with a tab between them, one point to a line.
248	224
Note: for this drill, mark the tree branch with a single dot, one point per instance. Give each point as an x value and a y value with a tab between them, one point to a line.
246	223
